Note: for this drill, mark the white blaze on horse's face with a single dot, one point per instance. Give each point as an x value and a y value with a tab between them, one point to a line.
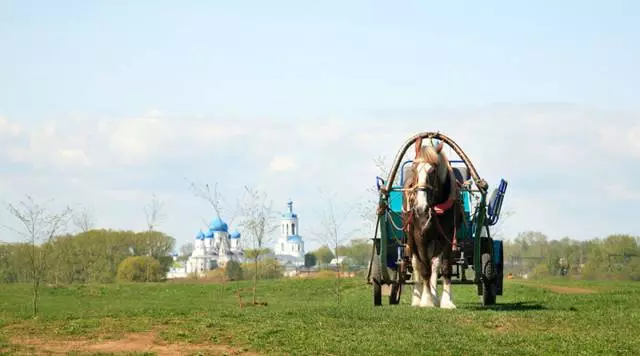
421	195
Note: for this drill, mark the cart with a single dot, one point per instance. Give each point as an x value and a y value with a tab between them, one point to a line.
390	262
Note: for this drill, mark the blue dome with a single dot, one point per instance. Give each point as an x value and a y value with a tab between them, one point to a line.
235	234
217	225
200	236
208	234
294	238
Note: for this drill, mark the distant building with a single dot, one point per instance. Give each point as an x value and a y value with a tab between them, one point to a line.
215	247
212	249
289	248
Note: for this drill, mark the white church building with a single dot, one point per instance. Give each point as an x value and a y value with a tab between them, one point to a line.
215	247
289	248
212	249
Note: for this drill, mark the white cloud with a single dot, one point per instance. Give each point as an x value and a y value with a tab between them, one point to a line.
282	164
322	132
622	192
135	140
549	154
633	139
9	128
72	157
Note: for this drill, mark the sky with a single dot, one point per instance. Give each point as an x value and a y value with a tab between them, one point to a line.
105	103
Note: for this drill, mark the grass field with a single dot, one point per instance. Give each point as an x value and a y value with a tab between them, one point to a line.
302	318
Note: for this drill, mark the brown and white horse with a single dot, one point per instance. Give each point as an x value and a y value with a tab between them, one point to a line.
432	215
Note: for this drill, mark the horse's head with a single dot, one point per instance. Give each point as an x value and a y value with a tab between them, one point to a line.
429	174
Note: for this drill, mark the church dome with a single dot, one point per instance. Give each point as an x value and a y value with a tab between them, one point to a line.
235	234
208	234
294	238
200	236
217	225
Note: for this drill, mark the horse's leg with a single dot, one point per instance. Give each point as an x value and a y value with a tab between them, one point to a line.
433	281
447	298
429	297
417	279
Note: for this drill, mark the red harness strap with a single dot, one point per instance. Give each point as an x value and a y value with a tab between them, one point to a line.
442	207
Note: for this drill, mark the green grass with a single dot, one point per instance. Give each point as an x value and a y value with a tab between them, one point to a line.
302	318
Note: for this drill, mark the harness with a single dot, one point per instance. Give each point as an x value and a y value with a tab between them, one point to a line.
439	209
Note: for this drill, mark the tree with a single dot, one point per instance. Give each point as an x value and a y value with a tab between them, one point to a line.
213	196
331	232
39	227
310	260
140	269
324	254
369	205
233	271
186	250
358	251
83	220
153	213
256	219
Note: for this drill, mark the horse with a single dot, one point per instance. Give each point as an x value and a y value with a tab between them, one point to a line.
432	214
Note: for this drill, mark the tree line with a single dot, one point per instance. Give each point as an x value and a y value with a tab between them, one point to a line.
94	256
356	253
87	257
533	254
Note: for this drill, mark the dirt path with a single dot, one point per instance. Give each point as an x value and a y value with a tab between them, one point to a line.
558	289
136	342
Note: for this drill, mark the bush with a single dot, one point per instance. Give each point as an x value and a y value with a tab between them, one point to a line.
233	271
269	268
540	271
140	269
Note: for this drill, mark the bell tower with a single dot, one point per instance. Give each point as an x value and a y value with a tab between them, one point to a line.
289	222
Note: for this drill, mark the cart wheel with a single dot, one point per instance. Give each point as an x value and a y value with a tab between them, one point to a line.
377	293
500	271
396	293
488	281
376	277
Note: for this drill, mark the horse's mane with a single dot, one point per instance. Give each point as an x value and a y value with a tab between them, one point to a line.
428	154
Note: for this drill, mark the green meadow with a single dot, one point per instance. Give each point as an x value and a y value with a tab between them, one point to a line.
302	317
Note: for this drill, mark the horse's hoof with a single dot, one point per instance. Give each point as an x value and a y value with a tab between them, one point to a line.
428	304
447	305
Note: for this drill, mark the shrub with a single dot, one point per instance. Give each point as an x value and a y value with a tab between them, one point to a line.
140	269
233	271
540	271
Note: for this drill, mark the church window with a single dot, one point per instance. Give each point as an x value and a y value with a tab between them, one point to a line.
293	228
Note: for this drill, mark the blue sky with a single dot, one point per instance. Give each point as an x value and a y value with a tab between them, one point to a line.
104	103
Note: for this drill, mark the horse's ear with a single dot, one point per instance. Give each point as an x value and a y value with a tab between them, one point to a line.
418	146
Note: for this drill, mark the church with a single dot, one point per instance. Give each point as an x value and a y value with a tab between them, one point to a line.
214	248
289	248
217	246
